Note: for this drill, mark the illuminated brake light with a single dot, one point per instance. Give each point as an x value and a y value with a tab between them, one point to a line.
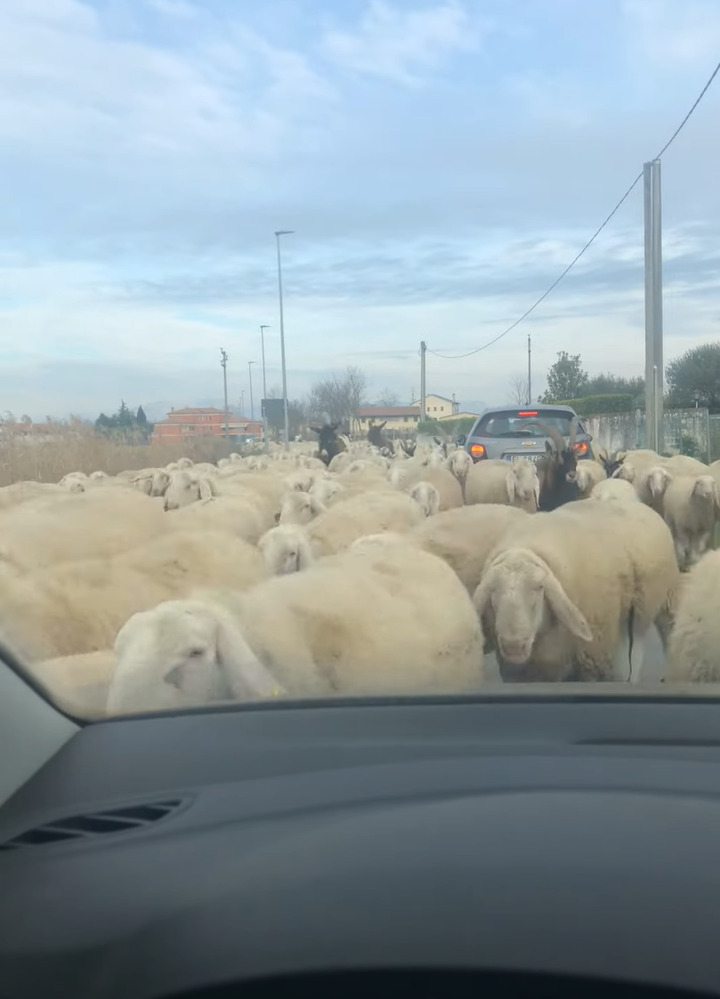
581	447
528	412
477	451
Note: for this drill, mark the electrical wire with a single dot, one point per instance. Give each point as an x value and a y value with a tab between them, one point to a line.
621	202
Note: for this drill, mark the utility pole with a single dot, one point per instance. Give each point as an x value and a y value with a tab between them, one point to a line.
654	438
223	364
264	327
252	404
529	382
278	234
423	350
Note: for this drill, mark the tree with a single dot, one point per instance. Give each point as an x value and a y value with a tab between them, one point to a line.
387	398
697	371
519	390
141	419
615	385
336	398
124	425
566	378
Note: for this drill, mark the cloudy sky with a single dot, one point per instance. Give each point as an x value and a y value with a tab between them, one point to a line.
440	161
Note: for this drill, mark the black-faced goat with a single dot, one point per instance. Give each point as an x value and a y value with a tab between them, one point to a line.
329	443
376	436
556	470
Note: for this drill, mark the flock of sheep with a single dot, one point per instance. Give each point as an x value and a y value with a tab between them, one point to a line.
358	568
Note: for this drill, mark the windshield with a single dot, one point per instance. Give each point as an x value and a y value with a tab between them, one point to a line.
264	267
524	423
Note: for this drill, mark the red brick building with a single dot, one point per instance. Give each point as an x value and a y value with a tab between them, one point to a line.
196	422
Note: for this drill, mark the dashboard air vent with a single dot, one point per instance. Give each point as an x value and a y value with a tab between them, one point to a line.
89	824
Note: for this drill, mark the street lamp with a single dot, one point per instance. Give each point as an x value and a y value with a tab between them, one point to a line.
278	234
252	404
264	327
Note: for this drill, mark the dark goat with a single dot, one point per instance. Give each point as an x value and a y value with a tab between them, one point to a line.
610	463
329	442
376	436
556	470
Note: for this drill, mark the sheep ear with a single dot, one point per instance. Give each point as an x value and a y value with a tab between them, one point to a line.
536	492
245	675
481	597
510	485
564	609
206	492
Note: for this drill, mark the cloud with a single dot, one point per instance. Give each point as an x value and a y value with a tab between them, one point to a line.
402	45
674	35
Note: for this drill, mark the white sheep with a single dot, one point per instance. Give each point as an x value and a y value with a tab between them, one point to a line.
514	483
408	474
614	491
78	606
184	653
240	515
299	508
570	594
426	495
343	522
185	488
587	475
459	464
694	643
465	537
286	548
392	622
78	683
691	504
324	490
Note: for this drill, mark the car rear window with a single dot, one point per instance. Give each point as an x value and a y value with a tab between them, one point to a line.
523	423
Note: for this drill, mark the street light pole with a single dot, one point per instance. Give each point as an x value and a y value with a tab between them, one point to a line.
252	404
278	234
223	363
262	347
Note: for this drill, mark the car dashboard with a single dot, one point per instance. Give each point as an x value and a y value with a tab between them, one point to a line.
538	846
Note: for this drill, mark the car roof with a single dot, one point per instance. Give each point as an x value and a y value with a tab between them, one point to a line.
525	408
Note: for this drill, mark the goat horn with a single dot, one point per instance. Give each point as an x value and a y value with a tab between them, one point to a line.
553	435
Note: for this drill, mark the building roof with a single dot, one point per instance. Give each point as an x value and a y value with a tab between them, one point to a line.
380	411
435	395
195	411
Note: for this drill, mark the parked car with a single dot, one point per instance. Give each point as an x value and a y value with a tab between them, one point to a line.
512	432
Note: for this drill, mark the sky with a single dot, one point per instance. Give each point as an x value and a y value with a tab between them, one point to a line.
439	161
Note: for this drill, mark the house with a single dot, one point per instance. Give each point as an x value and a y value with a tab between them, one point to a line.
439	407
458	416
401	418
181	424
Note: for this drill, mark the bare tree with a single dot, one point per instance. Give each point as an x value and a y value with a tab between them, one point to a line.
519	390
335	399
387	398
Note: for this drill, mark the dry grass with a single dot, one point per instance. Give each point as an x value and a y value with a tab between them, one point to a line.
80	450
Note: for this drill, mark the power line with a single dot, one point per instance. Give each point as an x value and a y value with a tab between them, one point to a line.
621	202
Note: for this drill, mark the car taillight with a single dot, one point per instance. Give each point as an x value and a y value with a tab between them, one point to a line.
477	451
580	448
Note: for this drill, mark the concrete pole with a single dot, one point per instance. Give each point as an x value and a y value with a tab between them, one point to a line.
264	417
252	404
223	363
529	380
278	234
655	438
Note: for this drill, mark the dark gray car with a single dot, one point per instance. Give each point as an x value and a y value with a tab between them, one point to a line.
512	433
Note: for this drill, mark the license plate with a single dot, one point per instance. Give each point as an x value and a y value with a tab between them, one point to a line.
523	457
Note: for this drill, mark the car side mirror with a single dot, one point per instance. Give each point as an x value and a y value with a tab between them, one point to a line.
460	440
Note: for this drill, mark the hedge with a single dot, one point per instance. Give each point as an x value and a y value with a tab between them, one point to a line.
446	428
590	405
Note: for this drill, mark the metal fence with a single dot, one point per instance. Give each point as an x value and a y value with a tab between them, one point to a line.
687	431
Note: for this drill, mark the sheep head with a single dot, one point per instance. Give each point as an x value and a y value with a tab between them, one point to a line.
520	595
286	549
182	653
298	508
426	496
657	482
523	485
